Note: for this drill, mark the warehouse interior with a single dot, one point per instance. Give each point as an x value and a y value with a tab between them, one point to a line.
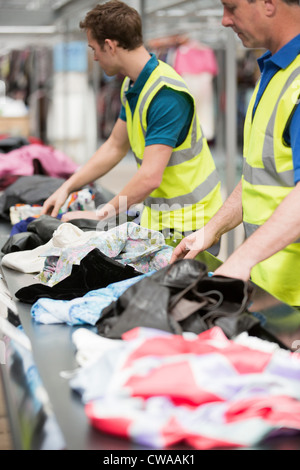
40	39
52	91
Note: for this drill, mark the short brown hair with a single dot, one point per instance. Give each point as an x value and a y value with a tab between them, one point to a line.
117	21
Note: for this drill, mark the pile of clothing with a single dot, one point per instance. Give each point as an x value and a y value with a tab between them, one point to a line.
204	391
175	356
73	262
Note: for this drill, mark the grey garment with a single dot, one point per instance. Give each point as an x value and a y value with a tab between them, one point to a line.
30	190
35	189
5	229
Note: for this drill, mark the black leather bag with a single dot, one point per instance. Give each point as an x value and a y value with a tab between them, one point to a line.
180	297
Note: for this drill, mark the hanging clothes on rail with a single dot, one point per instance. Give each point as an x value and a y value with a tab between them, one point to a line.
197	64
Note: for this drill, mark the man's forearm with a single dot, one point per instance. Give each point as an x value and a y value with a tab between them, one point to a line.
135	192
103	160
147	178
229	216
280	230
231	213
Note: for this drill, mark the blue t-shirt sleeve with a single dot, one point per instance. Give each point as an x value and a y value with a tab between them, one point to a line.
169	118
122	114
293	138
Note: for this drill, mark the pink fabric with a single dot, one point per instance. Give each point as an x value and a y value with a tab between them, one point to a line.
207	392
195	59
21	162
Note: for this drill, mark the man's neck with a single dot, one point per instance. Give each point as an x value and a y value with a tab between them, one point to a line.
133	62
289	26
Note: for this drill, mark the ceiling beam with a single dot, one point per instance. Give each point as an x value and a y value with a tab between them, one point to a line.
12	17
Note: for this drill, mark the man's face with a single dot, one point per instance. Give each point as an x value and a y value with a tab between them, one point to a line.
246	20
103	56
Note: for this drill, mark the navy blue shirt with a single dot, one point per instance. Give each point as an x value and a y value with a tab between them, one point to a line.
269	65
169	114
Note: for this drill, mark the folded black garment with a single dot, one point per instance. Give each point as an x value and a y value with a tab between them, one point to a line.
95	271
20	242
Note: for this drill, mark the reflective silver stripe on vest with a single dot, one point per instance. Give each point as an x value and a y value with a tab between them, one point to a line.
125	88
251	228
181	156
187	199
269	176
161	79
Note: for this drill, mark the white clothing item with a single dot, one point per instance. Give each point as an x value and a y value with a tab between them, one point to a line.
27	261
32	261
91	346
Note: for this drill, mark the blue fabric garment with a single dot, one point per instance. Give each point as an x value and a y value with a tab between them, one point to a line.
269	65
21	226
82	310
169	115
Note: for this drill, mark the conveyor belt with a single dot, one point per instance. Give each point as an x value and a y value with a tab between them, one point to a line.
53	352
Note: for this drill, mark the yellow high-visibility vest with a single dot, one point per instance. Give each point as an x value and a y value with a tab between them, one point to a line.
190	191
268	177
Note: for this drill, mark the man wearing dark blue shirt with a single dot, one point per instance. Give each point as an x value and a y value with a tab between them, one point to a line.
267	199
269	65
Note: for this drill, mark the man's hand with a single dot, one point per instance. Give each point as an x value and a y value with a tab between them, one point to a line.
234	267
191	245
79	215
52	205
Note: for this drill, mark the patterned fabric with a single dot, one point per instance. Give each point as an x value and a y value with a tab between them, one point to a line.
82	200
128	243
159	389
20	212
77	201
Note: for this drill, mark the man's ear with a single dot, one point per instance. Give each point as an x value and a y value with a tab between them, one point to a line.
270	7
110	45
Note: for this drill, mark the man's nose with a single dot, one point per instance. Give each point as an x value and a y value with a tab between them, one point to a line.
226	21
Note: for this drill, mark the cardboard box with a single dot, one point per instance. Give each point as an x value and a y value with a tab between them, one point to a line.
17	126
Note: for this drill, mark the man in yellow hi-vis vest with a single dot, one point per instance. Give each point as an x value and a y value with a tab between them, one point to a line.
267	199
176	177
